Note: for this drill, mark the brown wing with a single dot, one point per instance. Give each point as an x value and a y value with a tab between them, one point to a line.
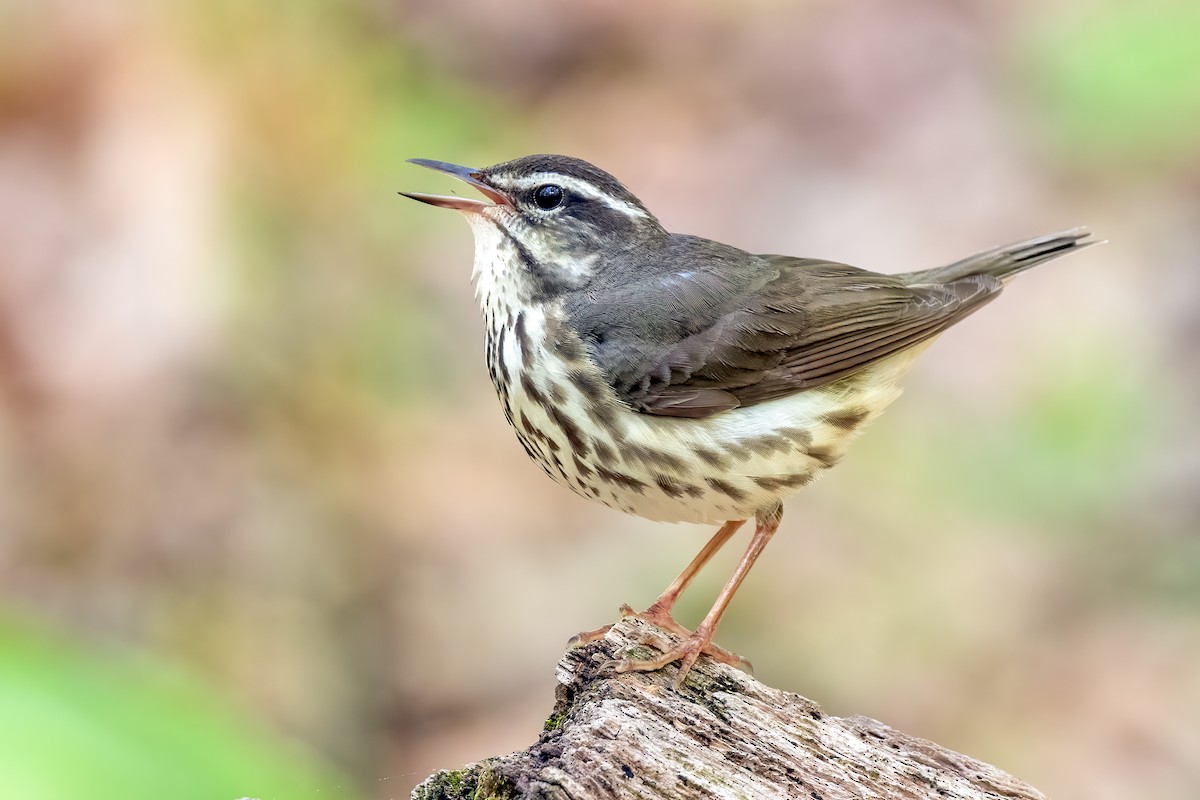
691	327
810	324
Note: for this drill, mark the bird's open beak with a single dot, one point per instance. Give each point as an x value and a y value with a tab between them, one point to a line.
471	176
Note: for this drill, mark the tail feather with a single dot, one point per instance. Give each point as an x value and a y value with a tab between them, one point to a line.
1005	262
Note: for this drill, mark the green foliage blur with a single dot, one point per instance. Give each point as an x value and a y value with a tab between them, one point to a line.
1118	86
82	723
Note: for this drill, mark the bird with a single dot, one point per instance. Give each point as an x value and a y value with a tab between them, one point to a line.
681	379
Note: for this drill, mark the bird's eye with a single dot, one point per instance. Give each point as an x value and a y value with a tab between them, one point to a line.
548	196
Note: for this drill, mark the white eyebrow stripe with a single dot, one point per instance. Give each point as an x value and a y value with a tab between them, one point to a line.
578	187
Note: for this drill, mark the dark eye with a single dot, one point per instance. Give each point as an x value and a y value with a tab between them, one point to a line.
548	196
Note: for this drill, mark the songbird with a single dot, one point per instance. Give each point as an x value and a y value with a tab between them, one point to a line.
681	379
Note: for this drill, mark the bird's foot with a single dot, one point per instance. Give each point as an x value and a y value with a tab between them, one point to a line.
686	653
694	644
661	618
656	615
587	637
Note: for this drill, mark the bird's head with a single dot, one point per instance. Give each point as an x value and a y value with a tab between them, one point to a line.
555	218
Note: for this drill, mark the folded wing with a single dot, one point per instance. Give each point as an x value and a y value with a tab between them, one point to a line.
814	323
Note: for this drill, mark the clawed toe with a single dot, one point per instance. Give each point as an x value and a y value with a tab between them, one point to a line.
686	654
652	616
587	637
693	646
658	618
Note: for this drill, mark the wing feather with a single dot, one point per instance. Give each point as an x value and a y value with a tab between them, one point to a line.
720	339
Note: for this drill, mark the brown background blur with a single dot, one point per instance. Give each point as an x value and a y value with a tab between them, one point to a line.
246	432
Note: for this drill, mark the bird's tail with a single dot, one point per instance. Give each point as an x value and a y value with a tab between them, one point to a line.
1005	262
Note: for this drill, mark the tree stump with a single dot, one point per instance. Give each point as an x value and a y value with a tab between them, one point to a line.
722	735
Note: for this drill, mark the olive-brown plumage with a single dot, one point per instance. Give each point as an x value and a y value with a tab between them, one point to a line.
682	379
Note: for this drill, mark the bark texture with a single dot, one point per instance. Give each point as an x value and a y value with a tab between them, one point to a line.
722	735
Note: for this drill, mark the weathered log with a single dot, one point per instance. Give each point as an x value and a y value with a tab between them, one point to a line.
722	735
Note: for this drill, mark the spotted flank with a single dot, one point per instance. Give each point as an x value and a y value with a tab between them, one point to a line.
727	466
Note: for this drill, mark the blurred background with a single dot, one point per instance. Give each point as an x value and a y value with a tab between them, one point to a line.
242	382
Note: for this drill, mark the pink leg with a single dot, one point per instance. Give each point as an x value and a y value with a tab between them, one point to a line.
659	612
701	641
